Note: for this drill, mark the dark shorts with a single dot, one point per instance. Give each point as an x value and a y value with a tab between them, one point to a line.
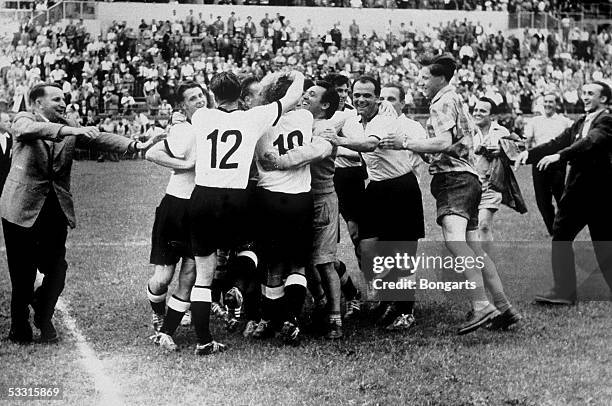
220	218
395	210
284	227
170	238
457	193
350	188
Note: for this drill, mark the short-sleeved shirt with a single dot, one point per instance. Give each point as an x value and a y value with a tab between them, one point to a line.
180	144
414	130
292	130
449	113
542	129
225	143
382	164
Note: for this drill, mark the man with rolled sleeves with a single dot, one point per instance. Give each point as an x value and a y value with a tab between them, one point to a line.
36	206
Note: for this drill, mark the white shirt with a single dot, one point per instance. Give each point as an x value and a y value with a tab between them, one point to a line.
293	129
382	164
341	161
586	127
181	138
225	143
414	130
542	129
3	142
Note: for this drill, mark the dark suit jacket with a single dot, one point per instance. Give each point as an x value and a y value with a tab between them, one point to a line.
41	161
589	158
5	159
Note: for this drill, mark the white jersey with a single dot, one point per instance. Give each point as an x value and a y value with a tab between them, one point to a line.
180	144
292	130
382	164
225	143
341	161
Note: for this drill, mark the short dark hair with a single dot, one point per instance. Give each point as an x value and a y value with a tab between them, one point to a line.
491	103
225	86
308	83
330	96
275	91
184	86
337	80
400	88
553	94
245	86
39	91
443	65
605	90
368	79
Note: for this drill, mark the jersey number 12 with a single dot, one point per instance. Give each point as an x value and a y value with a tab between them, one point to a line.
213	137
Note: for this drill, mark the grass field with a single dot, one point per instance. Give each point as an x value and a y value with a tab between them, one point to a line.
557	356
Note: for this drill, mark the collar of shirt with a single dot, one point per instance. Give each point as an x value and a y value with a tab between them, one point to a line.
4	141
586	126
361	118
442	92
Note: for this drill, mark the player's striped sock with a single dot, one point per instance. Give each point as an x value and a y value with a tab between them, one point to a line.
271	302
295	292
176	311
158	301
244	267
347	286
201	298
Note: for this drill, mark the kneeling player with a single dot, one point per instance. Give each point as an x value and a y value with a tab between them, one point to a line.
170	237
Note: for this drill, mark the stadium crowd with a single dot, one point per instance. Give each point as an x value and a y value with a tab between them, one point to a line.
129	70
512	6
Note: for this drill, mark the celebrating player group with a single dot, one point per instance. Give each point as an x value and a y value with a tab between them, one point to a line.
264	170
261	177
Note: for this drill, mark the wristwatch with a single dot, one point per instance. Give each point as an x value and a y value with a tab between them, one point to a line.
405	142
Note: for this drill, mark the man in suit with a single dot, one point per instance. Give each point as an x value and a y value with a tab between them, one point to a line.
587	147
6	146
36	206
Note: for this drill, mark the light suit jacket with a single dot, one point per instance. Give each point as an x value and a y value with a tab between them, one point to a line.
42	161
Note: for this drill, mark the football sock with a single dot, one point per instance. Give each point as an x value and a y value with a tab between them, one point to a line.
494	285
251	304
216	288
200	312
271	302
243	268
295	293
158	302
349	290
176	310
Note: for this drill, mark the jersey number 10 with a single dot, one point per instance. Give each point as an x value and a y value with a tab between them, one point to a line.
291	138
213	137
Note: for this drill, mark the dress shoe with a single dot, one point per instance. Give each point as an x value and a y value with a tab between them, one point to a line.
21	335
506	319
478	318
553	298
48	334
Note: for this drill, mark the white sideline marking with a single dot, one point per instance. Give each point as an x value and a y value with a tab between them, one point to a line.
103	384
